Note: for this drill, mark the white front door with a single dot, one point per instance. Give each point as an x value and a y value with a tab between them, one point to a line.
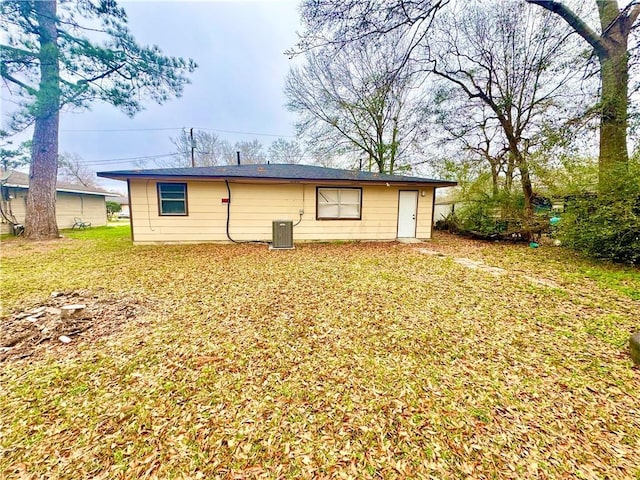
407	211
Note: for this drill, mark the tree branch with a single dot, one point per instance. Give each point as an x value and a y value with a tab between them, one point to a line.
13	54
7	76
634	11
581	28
102	75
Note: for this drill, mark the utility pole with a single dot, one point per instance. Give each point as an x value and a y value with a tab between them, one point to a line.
193	149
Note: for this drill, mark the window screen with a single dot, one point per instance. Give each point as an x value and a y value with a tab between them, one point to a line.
339	203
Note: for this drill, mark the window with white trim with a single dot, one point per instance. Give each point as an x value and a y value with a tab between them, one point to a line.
172	198
338	203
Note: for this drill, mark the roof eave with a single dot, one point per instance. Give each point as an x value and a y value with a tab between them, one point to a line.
66	190
124	177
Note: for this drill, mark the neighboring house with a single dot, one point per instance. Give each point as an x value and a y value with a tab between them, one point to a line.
444	208
124	205
72	201
240	202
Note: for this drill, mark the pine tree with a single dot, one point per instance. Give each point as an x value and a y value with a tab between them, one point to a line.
71	56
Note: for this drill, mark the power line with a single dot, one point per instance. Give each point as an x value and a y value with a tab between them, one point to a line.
158	129
122	160
245	133
120	129
106	161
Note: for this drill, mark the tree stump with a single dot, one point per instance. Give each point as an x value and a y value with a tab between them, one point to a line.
634	347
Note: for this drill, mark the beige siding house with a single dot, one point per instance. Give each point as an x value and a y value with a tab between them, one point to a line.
240	203
72	201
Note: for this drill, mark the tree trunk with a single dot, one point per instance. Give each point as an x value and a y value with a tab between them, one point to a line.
393	147
495	187
516	157
527	190
614	157
40	222
379	147
612	49
508	175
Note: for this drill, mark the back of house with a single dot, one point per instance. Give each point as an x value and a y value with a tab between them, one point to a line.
240	203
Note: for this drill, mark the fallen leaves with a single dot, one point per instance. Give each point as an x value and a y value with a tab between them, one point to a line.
328	361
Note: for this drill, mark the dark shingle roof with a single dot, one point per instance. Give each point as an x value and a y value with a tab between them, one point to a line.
274	172
21	180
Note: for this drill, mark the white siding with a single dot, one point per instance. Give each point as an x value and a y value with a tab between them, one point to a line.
90	208
442	211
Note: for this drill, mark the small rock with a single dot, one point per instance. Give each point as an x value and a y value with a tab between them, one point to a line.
38	310
427	251
53	311
72	311
64	339
32	319
634	347
56	294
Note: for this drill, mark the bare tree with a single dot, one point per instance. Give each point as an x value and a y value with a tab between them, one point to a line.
341	22
207	149
284	151
71	169
361	96
472	130
506	60
612	49
251	152
329	157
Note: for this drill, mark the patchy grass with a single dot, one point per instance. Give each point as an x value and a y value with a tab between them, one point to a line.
352	360
552	262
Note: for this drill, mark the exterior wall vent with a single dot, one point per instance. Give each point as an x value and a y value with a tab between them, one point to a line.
282	234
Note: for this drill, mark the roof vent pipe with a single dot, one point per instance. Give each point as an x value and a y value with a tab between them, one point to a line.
238	155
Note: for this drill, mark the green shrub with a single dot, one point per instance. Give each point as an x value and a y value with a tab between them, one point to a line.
480	216
491	214
606	225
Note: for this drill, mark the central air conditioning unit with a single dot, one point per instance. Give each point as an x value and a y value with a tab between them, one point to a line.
282	234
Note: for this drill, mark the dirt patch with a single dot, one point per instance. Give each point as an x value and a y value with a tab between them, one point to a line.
45	326
18	246
479	265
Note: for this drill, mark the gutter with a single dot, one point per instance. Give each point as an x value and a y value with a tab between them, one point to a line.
66	190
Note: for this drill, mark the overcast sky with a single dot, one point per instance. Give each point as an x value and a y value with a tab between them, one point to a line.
238	87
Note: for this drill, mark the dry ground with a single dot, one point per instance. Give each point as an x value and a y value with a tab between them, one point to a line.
369	360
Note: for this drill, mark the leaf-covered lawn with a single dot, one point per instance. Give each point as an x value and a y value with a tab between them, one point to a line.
357	360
